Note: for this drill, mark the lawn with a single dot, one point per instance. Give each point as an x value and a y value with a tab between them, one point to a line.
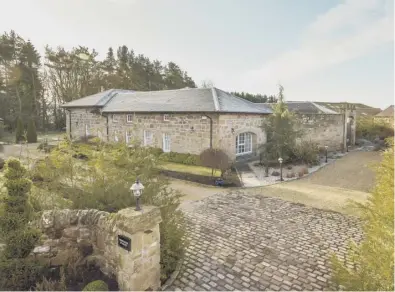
192	169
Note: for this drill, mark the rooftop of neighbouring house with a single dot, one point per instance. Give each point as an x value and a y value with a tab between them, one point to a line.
178	100
360	108
303	107
388	112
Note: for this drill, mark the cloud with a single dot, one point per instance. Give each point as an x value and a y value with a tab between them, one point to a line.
347	31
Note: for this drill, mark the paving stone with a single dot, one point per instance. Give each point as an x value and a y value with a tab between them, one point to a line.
253	243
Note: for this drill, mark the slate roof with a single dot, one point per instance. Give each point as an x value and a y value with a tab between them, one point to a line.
99	99
179	100
304	107
388	112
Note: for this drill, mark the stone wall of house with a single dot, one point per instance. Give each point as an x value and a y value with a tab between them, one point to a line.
189	133
86	121
95	234
324	129
231	125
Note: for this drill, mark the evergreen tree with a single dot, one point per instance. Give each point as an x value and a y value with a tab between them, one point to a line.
31	132
280	130
19	134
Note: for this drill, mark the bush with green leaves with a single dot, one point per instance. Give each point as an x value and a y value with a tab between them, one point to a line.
20	132
282	132
372	261
16	271
367	128
97	285
305	152
31	134
183	158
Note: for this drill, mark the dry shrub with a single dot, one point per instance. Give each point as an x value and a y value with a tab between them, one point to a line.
300	173
275	173
305	170
290	174
215	159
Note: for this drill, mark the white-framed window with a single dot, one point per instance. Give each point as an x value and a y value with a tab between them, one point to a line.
115	118
166	117
243	143
148	138
116	136
129	118
86	130
166	143
128	137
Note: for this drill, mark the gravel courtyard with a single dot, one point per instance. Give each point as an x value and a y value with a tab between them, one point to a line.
245	242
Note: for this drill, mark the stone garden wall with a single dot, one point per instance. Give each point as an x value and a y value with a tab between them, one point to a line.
125	244
325	129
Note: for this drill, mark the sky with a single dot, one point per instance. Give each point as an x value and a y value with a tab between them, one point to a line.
318	50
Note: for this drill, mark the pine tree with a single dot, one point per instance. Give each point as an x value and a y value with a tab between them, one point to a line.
19	134
280	130
31	132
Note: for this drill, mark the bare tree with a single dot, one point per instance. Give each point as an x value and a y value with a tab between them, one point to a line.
215	159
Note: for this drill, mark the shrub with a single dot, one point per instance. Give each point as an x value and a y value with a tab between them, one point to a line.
368	129
19	134
373	259
300	173
289	167
291	174
215	159
275	173
31	132
1	163
97	285
305	152
281	130
183	158
20	274
20	243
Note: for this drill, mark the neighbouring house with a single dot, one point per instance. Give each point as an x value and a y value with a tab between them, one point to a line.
385	117
185	120
322	124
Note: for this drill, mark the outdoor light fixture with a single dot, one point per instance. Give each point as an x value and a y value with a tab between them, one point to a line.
232	130
281	168
137	189
326	154
192	129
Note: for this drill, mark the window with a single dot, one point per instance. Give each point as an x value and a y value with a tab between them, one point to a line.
114	118
128	136
243	143
166	117
166	143
86	130
148	138
116	136
129	118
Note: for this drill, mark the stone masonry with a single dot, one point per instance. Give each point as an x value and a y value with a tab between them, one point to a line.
190	133
324	129
255	243
96	233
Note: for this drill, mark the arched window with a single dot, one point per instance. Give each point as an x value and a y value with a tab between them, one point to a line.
243	143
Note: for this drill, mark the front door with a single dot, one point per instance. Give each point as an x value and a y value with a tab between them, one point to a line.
166	143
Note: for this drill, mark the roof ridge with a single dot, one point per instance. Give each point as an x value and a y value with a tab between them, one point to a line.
215	98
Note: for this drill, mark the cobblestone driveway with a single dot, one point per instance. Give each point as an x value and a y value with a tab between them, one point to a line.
242	242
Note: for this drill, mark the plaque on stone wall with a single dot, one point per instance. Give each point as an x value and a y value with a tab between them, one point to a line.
125	242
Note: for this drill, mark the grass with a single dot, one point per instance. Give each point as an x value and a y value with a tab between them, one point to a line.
199	170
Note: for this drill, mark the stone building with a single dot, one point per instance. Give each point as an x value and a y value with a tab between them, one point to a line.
323	124
185	120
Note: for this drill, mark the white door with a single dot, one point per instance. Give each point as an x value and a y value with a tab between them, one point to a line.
166	143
